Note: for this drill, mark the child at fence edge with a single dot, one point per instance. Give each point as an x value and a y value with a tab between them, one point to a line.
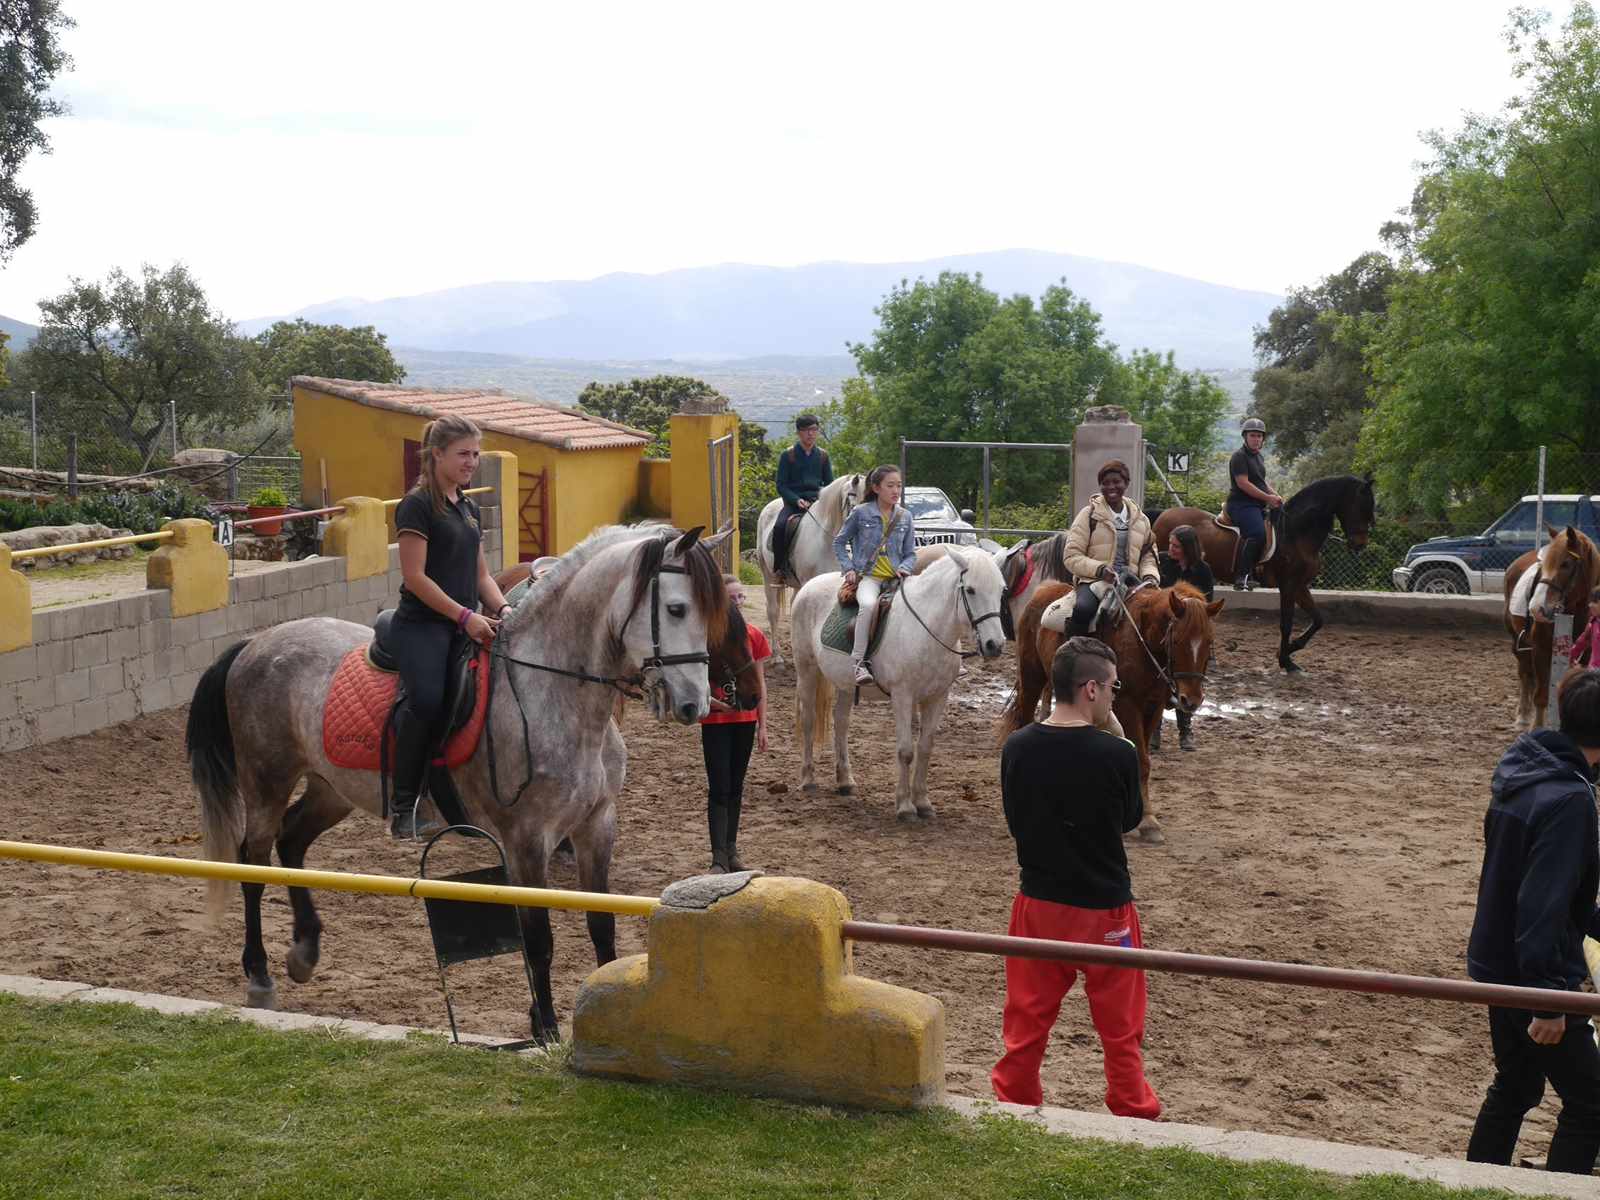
1070	792
444	574
727	735
1536	900
1586	649
876	544
1184	561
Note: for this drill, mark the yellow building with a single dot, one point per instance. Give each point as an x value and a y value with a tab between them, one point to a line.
576	471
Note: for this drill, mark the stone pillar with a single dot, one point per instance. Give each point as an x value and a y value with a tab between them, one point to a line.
748	985
1107	432
16	605
498	469
359	535
192	567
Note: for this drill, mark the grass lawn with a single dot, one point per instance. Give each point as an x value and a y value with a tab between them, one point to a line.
112	1101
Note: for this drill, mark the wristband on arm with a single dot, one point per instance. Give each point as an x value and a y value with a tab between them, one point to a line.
466	615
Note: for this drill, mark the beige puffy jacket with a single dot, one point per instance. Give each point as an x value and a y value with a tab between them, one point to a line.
1086	553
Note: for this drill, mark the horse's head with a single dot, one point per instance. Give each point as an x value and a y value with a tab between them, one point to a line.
1188	642
1358	513
983	595
677	607
731	669
855	487
1568	568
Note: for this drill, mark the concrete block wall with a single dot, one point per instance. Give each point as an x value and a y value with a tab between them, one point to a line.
102	662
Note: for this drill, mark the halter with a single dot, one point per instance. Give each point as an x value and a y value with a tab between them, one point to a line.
649	679
965	603
1164	671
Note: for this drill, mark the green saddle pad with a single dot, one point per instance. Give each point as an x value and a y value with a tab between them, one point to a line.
838	631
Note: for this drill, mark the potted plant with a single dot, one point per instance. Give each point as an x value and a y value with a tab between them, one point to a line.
268	502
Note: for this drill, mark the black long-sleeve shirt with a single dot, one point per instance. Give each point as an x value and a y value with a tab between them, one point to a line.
1069	796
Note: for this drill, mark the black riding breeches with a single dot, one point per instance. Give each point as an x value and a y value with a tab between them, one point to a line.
780	535
726	746
1084	605
423	651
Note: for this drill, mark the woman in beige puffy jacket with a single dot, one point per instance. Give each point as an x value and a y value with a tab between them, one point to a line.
1109	539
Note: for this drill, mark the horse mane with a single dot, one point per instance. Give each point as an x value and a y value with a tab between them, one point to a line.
729	650
831	500
705	584
1051	564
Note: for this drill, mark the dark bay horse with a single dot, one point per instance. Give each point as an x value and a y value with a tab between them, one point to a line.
1162	644
1308	518
1569	570
635	604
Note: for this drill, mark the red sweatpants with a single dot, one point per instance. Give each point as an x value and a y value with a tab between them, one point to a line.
1034	991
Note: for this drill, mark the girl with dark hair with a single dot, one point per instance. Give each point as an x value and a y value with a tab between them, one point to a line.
444	576
876	544
727	735
1183	561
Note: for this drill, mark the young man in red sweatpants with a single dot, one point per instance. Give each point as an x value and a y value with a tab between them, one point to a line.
1070	792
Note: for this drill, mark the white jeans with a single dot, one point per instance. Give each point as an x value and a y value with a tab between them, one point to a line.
867	592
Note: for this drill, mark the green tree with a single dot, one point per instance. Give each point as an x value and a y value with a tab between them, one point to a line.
1492	339
30	58
113	356
648	404
1312	385
300	347
1177	409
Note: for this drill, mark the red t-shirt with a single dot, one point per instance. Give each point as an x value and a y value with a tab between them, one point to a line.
759	651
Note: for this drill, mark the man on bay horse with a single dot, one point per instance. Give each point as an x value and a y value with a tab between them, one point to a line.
803	471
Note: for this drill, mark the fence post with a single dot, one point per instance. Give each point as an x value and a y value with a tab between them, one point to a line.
985	486
33	426
172	412
1538	508
233	479
903	480
72	466
1560	659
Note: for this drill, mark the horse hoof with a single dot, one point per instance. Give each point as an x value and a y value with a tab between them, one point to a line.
847	789
302	962
810	789
1152	836
906	815
256	996
925	812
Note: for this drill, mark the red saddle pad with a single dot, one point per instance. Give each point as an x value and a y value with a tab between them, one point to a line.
358	704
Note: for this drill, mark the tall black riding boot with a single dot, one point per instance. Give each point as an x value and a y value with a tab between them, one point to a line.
735	803
1185	730
717	819
411	747
1248	553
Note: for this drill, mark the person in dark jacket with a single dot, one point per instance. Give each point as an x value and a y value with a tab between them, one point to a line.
1248	498
1070	791
803	471
1184	561
1536	901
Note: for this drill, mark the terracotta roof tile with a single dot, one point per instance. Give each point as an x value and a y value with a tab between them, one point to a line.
492	409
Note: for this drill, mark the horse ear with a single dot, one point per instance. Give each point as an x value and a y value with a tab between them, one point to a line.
1215	607
717	538
1175	602
1551	530
687	541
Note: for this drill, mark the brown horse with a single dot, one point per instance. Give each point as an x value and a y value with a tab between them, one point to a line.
1569	569
1162	644
1308	518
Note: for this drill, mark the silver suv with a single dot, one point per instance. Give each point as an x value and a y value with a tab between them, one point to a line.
937	519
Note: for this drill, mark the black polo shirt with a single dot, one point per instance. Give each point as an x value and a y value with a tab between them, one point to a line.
453	537
1246	462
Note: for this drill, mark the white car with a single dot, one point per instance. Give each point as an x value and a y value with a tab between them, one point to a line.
937	519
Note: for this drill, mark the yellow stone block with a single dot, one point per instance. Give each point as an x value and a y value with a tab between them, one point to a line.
359	535
192	567
755	992
16	605
498	469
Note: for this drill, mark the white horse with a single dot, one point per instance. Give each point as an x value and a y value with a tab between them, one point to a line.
811	552
916	664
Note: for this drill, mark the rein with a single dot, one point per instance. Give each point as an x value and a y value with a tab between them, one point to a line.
1164	671
965	603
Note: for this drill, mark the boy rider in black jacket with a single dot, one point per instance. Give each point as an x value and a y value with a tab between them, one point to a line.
1536	900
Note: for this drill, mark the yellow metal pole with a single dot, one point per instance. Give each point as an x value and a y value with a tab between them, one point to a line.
71	547
333	881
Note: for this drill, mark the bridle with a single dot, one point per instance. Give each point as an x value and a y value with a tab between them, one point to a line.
1165	671
966	603
647	682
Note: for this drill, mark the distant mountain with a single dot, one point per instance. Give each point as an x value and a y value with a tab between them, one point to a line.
20	332
736	311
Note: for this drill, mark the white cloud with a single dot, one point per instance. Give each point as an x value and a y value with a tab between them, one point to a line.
306	151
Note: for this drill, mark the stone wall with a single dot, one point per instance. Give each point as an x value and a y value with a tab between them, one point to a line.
105	661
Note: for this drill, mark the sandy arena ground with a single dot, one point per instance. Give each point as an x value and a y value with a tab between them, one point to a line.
1331	818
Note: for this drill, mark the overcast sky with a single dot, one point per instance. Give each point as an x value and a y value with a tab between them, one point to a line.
298	152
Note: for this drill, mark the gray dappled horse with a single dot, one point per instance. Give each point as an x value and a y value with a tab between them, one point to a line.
630	604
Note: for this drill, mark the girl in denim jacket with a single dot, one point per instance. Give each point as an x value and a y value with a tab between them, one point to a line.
877	543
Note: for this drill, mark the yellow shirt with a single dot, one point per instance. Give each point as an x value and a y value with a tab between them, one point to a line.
882	569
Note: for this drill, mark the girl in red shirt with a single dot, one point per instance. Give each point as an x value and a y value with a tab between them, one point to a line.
727	735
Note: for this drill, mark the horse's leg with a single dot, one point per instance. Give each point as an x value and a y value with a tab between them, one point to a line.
931	712
1136	727
1541	680
1286	596
1302	597
806	715
316	812
843	777
262	817
905	752
526	868
593	842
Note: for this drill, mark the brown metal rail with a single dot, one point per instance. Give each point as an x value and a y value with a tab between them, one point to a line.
1460	991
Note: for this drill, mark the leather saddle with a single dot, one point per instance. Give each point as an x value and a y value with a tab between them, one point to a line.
1225	522
839	630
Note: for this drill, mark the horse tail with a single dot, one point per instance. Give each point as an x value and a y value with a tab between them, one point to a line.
1030	679
215	770
821	709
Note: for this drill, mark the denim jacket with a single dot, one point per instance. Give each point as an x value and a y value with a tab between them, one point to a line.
856	547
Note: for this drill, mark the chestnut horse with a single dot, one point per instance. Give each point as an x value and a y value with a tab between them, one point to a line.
1308	518
1162	643
1569	569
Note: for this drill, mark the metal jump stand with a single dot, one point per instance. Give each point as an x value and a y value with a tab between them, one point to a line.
466	930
